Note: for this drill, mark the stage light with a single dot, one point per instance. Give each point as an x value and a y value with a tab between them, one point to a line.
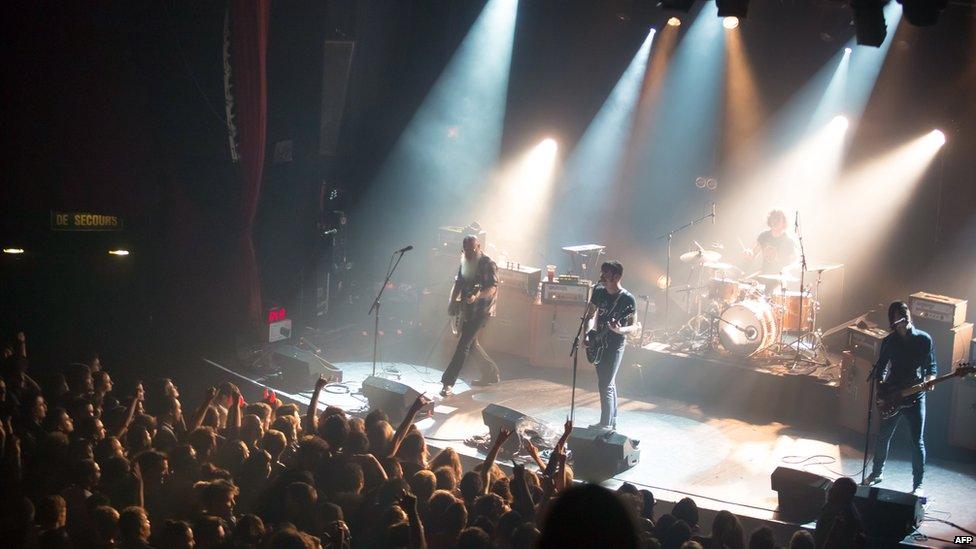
847	51
680	5
732	8
730	22
674	22
13	250
869	22
839	123
118	252
922	13
937	138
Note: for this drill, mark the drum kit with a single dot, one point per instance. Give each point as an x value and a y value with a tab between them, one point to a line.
756	315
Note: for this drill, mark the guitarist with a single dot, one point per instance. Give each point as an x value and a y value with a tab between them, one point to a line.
473	297
607	301
907	357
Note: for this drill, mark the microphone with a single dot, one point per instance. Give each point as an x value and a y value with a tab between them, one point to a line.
713	213
405	249
796	224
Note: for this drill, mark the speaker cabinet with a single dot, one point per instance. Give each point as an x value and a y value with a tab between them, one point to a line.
951	347
336	66
553	329
855	391
392	397
801	494
510	330
598	454
962	415
886	514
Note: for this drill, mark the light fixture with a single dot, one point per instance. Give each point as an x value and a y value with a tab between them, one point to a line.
119	252
674	22
937	137
680	5
732	8
869	22
847	51
922	13
840	122
13	250
730	22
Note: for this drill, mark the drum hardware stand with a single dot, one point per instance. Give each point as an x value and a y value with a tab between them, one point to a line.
667	270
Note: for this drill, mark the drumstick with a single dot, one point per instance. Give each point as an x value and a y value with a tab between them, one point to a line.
741	243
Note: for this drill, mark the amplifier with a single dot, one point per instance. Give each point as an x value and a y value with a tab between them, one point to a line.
518	277
938	308
553	292
450	237
853	393
865	342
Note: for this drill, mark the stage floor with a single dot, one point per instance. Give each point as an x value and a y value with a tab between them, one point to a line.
721	462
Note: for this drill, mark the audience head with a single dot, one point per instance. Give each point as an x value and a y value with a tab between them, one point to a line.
589	516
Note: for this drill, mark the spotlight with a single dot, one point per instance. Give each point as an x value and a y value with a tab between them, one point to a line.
869	22
674	22
13	250
680	5
119	252
938	138
663	282
847	51
922	13
840	122
730	22
732	8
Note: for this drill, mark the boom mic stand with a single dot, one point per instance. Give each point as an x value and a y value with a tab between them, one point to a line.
574	352
872	381
374	309
667	271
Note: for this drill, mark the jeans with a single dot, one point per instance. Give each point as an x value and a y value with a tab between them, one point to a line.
606	373
468	339
915	416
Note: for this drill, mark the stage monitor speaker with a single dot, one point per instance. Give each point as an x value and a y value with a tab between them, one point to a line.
801	494
599	454
300	368
522	425
336	66
392	397
887	515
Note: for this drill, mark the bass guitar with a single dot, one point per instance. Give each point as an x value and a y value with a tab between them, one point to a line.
891	400
597	339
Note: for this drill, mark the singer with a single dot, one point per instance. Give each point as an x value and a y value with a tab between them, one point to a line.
473	302
612	307
775	246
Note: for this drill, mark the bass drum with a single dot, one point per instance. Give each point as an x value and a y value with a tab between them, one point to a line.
748	327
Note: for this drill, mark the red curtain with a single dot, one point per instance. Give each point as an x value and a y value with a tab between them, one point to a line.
249	46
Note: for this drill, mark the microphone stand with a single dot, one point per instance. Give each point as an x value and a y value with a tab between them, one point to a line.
667	271
872	378
374	309
574	352
803	272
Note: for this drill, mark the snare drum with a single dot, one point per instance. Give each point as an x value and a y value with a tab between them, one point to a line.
788	305
748	327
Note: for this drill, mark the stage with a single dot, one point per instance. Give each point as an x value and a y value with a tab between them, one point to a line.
718	456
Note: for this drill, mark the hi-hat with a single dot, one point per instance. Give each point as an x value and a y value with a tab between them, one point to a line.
816	267
700	255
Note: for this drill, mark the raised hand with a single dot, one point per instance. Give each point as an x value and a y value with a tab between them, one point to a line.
321	382
568	426
211	394
503	435
140	393
21	337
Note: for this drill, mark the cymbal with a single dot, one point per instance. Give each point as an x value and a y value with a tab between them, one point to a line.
720	266
816	267
700	255
782	278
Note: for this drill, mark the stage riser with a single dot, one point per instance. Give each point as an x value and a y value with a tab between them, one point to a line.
724	386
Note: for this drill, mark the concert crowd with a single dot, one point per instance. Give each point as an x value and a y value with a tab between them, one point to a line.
88	464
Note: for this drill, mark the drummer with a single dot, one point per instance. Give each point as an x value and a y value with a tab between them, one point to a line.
775	246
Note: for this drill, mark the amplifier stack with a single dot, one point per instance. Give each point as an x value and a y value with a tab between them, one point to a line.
949	419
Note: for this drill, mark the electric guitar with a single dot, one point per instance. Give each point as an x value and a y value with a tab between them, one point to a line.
891	400
461	310
597	338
